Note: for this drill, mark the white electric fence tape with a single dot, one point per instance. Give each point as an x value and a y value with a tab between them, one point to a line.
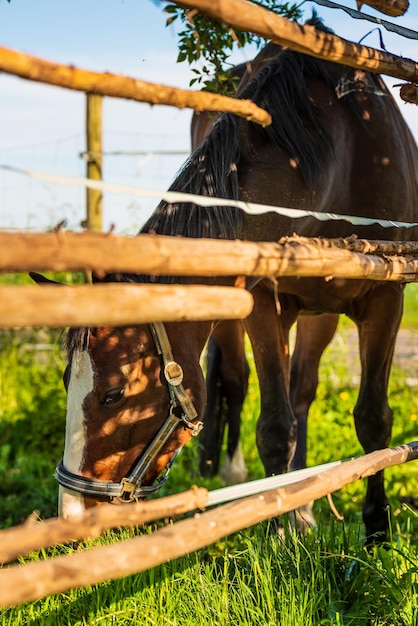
226	494
206	201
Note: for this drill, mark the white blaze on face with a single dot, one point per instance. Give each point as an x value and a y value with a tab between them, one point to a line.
80	385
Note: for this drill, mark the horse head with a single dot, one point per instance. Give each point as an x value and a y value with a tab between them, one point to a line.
135	396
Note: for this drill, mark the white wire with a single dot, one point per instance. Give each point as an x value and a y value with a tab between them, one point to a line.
174	196
234	492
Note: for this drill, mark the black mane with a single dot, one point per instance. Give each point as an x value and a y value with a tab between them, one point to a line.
210	171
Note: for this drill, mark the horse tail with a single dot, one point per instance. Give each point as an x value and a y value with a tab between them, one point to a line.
212	435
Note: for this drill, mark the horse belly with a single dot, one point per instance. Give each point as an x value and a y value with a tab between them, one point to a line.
320	295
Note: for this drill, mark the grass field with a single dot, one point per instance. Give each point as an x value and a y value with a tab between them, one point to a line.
253	577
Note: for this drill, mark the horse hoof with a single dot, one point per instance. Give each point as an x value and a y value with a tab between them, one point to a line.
302	519
234	470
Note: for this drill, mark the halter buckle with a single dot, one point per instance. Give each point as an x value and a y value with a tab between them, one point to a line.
173	373
195	428
127	492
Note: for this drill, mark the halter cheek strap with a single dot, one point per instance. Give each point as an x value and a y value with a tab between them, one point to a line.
182	412
174	376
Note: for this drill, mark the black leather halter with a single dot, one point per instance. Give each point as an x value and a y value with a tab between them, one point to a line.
130	487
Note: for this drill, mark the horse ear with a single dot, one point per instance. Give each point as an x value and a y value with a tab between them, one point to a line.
42	280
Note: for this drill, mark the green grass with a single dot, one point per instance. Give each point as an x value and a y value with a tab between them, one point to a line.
410	316
254	577
32	423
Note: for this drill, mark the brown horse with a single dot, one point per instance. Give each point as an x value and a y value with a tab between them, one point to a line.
338	144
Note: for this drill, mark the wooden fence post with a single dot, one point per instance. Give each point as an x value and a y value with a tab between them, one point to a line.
94	197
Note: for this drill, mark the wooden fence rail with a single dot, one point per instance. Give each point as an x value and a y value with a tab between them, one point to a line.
162	255
116	86
119	304
36	535
307	39
390	7
29	582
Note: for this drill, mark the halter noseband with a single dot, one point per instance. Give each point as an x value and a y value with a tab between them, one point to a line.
130	488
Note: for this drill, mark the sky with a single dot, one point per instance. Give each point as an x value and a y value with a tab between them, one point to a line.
42	128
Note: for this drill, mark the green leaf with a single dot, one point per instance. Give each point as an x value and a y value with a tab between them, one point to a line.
214	42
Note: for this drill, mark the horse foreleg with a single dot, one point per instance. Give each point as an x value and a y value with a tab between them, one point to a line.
227	384
211	436
378	320
269	335
313	334
234	379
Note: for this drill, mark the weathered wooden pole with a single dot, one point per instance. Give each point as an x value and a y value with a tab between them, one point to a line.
34	535
303	38
94	197
395	8
170	256
126	87
119	304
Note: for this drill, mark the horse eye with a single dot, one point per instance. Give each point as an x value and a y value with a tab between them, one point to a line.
112	397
